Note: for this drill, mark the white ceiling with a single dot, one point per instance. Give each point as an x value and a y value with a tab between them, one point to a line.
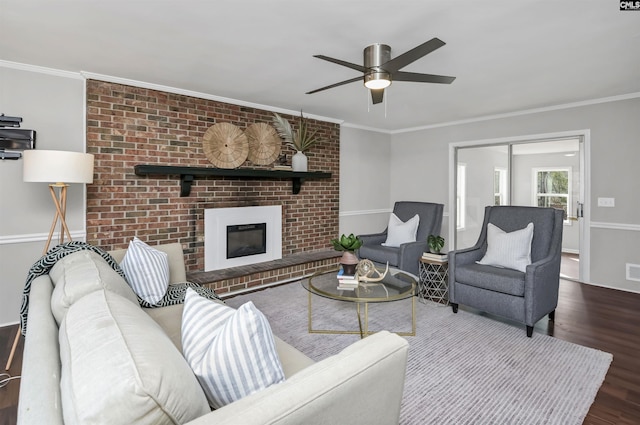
507	55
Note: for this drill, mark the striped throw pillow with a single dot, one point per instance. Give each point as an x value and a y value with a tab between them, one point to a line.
147	271
232	352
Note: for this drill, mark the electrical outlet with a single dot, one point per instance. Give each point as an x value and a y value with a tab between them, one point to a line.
606	202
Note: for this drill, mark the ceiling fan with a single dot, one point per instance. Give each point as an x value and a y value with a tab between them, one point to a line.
379	69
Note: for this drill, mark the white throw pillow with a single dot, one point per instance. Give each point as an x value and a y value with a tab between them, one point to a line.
232	352
510	250
147	271
399	232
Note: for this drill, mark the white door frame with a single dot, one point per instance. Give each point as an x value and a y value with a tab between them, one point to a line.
585	185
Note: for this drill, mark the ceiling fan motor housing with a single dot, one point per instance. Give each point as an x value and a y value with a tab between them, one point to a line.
375	56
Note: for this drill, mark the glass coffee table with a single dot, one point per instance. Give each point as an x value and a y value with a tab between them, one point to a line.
396	285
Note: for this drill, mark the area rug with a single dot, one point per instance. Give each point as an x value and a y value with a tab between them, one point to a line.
462	368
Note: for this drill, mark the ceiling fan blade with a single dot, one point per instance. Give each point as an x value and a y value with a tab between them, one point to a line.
422	78
343	63
377	95
413	55
336	84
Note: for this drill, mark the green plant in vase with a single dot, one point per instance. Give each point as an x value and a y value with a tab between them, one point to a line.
347	245
435	243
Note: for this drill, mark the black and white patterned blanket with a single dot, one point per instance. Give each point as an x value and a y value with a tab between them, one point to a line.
175	292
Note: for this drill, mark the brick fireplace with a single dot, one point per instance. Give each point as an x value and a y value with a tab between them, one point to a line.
128	126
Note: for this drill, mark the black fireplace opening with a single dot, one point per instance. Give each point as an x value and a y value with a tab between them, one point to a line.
246	239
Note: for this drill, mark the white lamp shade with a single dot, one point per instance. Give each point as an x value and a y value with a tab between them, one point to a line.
57	166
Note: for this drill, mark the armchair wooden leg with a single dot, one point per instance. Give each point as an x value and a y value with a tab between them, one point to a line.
529	331
454	307
552	315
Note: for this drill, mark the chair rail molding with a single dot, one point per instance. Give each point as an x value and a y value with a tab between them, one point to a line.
365	212
39	237
615	226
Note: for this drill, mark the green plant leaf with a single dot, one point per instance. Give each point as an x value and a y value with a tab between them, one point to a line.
346	243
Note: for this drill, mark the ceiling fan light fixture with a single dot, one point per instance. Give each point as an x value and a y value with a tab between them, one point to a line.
379	70
377	80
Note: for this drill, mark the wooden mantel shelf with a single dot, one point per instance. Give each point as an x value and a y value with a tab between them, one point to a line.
187	174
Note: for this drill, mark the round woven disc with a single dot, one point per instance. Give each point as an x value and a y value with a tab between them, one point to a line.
264	143
225	145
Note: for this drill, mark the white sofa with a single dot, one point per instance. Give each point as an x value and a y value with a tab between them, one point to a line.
111	361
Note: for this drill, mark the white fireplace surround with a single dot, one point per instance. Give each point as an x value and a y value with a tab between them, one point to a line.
216	221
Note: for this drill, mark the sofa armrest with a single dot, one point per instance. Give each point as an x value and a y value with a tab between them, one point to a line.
361	385
410	254
542	280
373	239
459	258
39	401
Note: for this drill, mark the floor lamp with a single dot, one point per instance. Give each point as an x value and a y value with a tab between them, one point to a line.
58	168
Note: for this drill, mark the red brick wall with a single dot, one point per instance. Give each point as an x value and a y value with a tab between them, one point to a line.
129	125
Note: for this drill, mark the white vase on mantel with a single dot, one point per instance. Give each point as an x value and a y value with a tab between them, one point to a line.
299	161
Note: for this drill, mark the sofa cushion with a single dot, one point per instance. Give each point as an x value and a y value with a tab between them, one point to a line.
399	232
503	280
147	270
119	367
511	250
79	274
232	352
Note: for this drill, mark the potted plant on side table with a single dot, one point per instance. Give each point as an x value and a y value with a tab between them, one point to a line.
435	242
347	245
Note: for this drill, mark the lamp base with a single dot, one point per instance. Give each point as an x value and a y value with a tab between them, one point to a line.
61	209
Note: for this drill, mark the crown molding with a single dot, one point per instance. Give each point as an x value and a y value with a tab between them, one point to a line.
522	112
111	79
364	127
40	69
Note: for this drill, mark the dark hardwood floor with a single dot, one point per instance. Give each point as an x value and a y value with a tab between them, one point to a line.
601	318
9	393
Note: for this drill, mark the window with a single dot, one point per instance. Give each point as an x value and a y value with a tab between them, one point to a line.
500	186
461	203
552	188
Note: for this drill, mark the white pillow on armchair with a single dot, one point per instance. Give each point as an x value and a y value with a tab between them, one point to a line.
399	232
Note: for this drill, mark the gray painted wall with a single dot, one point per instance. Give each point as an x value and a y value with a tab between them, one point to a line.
52	103
364	181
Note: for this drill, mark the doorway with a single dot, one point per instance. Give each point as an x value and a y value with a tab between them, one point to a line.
543	170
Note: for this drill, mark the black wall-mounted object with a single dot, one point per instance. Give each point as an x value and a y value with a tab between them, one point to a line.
17	139
13	138
6	121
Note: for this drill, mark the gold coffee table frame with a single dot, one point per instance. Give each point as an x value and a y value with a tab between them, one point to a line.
326	287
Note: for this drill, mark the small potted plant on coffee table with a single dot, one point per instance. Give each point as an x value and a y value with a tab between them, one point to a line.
347	245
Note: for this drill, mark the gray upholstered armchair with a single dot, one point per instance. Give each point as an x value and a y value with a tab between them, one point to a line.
406	256
523	296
